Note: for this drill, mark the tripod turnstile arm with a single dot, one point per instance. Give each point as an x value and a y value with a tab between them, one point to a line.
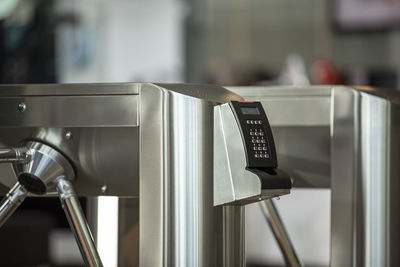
11	202
282	237
13	155
78	223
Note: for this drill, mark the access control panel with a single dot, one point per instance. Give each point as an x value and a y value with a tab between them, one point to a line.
245	161
256	134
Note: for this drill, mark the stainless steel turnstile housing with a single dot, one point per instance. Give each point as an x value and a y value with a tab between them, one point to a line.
131	140
346	139
152	146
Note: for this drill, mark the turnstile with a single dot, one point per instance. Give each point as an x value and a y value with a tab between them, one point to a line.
345	139
170	152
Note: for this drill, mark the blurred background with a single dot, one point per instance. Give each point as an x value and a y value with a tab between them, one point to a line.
226	42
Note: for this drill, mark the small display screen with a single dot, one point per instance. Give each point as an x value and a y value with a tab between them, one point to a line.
250	111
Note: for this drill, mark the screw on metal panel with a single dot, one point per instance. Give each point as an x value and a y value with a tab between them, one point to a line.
68	135
104	188
21	107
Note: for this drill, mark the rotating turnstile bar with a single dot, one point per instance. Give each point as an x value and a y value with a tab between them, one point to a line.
39	169
15	155
77	222
271	214
17	193
11	202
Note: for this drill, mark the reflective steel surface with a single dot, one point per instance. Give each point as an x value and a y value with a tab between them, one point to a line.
174	221
38	175
95	152
233	183
153	142
277	226
69	111
365	178
346	139
71	89
77	222
300	122
94	125
178	220
10	155
234	236
11	202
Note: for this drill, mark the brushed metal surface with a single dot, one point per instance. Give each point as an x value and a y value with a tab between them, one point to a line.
70	111
208	92
94	125
177	218
94	152
343	207
71	89
233	184
46	165
291	105
300	122
232	181
234	236
151	190
346	139
364	179
77	221
158	149
13	155
11	202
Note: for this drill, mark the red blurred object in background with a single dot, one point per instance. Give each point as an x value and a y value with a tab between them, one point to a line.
324	72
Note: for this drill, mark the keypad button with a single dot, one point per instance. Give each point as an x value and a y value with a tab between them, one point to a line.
256	133
251	133
261	134
256	155
248	121
257	141
259	148
266	156
265	148
251	122
259	122
263	141
253	141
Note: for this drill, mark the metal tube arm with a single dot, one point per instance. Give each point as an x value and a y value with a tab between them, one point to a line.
278	229
78	223
11	202
14	155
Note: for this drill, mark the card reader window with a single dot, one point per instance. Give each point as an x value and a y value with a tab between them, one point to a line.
250	111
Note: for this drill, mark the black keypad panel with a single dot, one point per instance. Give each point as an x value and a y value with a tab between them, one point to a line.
258	140
256	133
